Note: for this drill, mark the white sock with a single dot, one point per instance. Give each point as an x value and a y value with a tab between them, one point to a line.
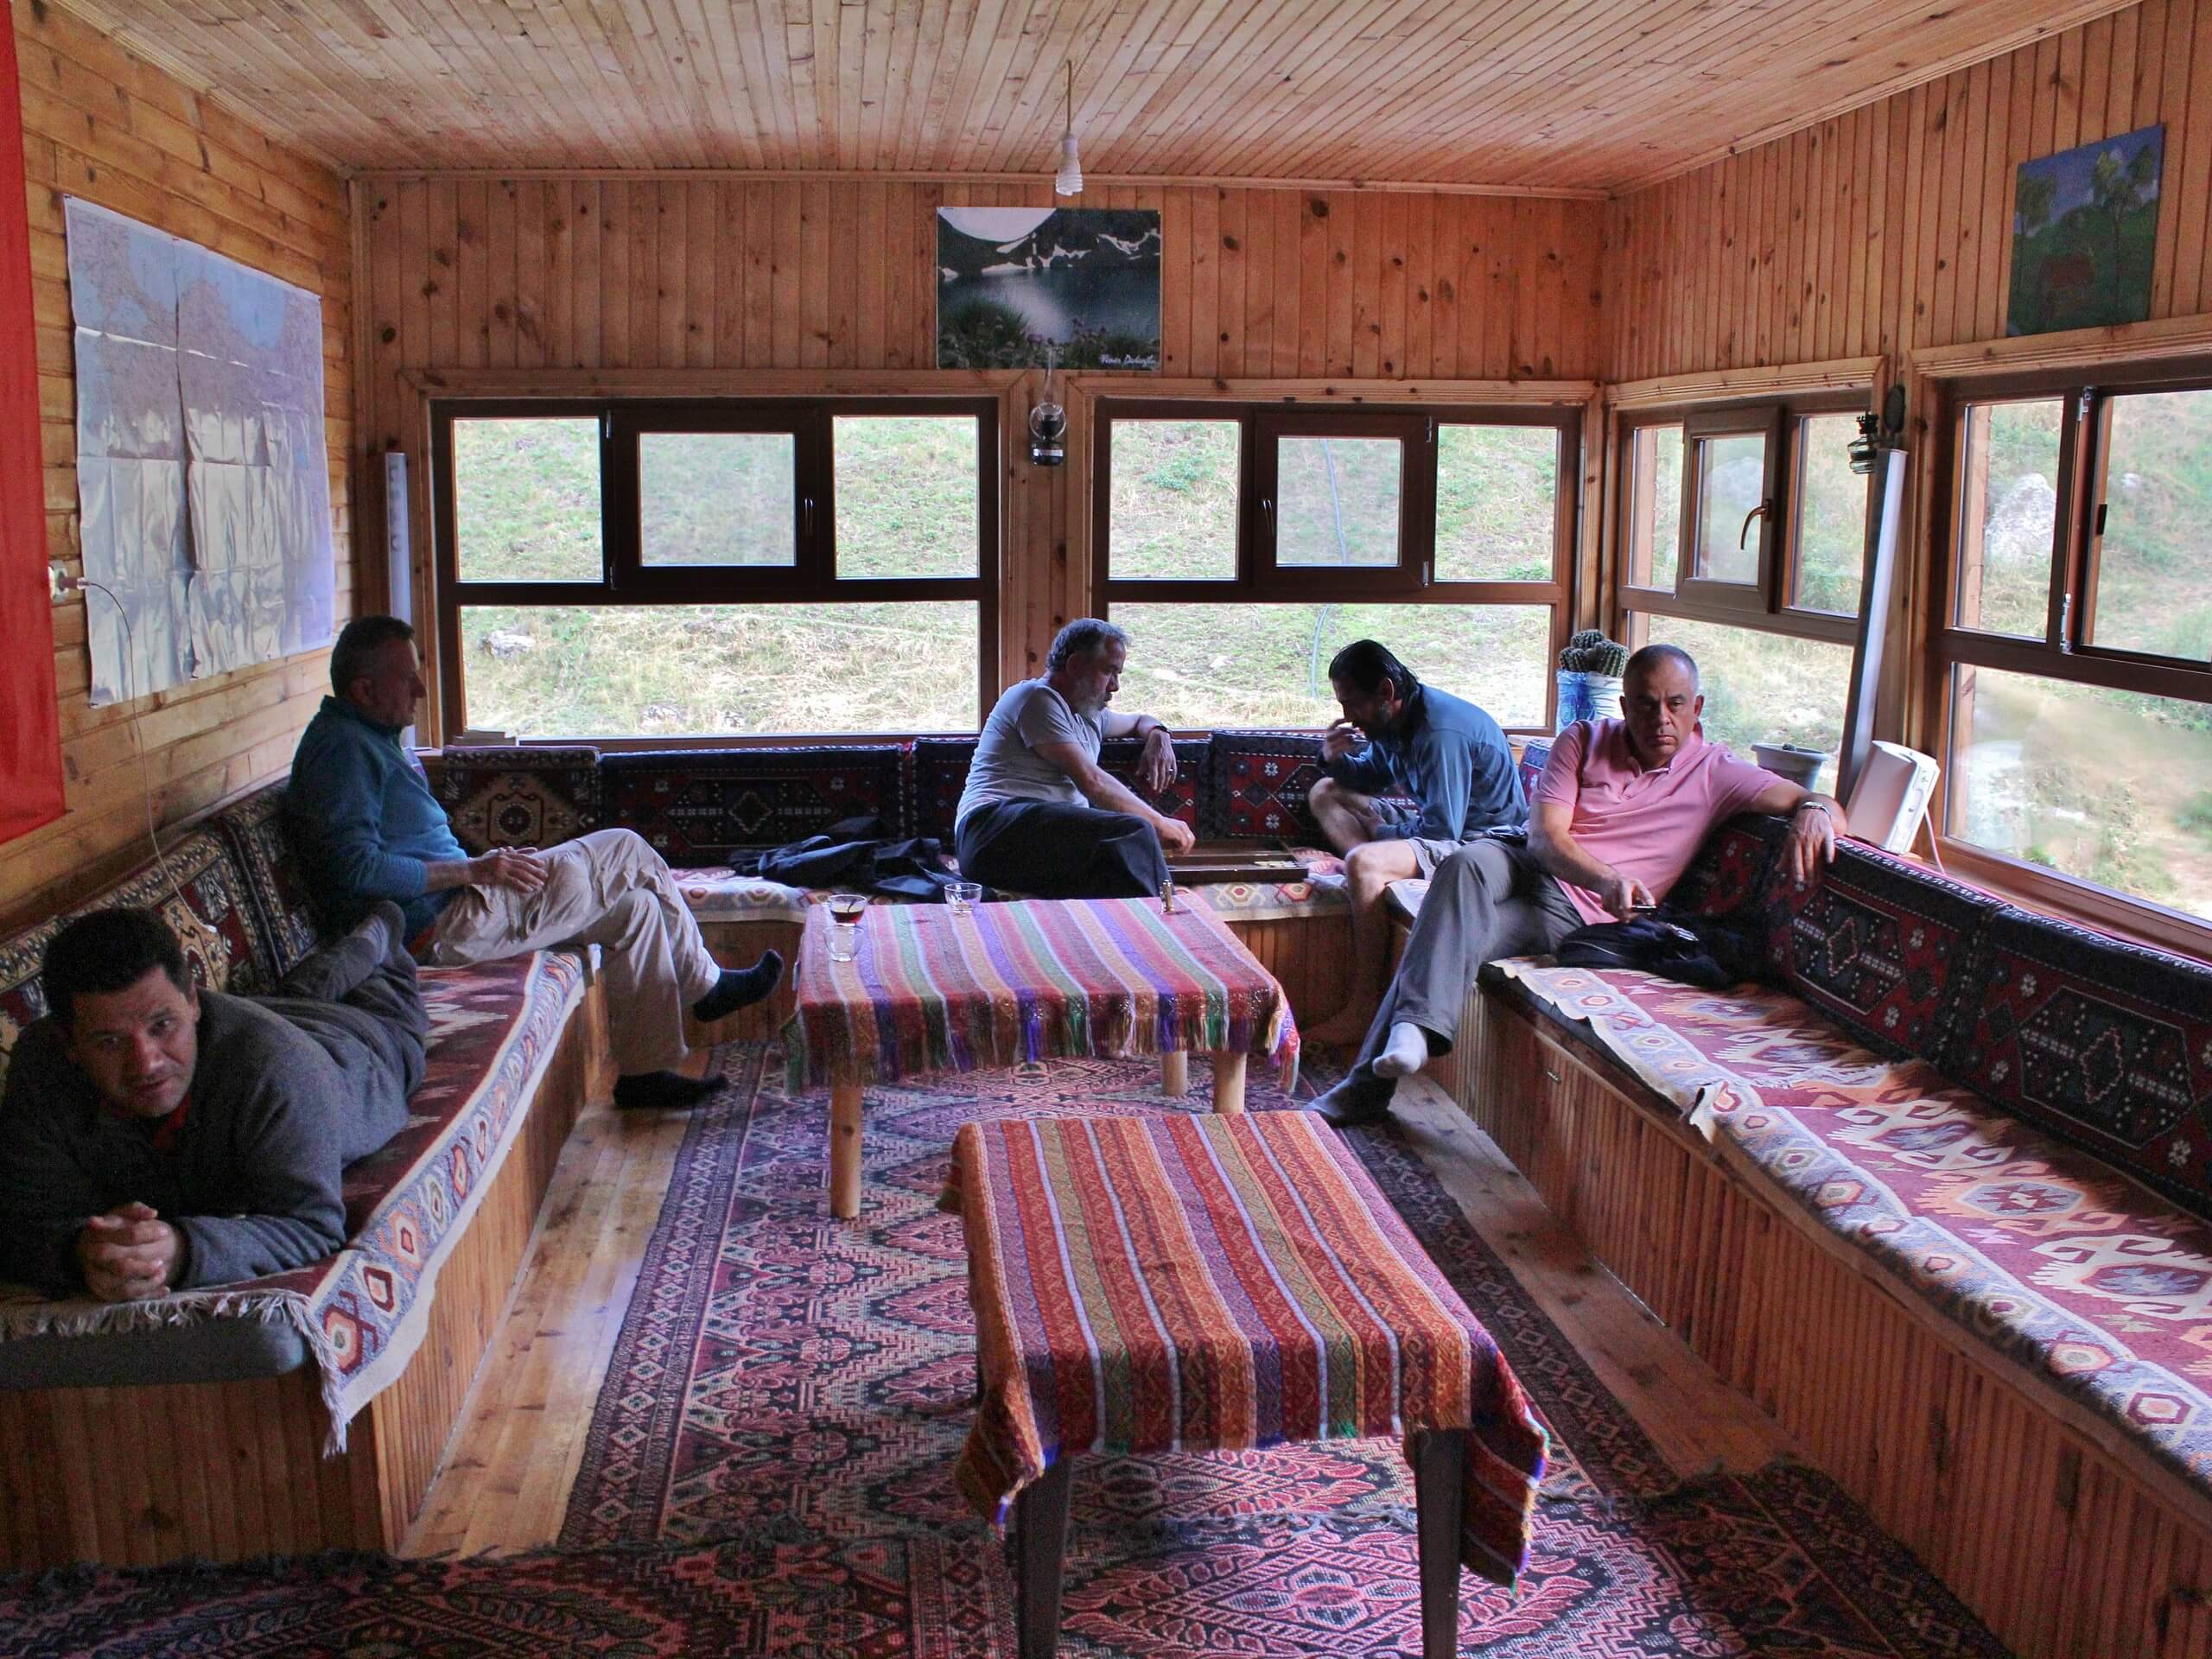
1405	1053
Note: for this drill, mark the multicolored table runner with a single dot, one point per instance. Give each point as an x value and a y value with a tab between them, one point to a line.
1194	1282
935	990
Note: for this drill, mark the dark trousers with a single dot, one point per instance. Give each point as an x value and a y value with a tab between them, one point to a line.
1489	900
1052	851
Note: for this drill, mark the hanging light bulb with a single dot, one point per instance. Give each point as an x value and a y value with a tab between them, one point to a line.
1068	182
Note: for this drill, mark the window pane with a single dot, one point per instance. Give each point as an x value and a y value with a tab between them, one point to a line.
1337	501
1496	503
639	670
2113	787
1210	665
906	503
2008	513
1654	506
1171	513
2154	571
717	498
1762	688
525	499
1732	482
1831	518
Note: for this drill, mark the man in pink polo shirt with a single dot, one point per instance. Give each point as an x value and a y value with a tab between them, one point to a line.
1619	813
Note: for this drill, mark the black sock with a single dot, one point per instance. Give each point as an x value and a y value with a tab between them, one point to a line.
739	987
648	1088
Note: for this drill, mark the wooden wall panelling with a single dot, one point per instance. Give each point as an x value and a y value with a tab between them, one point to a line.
740	277
102	124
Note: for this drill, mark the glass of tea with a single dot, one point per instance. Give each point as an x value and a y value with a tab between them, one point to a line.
845	910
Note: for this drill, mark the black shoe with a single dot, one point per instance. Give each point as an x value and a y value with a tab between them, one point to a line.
644	1091
739	988
1355	1103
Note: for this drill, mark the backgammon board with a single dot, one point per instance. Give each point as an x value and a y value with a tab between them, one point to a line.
1235	861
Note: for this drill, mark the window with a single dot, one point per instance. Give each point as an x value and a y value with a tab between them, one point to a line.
1742	537
1242	546
2076	670
637	569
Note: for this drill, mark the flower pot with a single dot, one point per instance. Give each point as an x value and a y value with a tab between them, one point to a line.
1585	696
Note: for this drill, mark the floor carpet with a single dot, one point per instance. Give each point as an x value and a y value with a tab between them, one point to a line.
768	1471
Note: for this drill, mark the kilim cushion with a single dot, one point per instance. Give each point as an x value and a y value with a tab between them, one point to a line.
1119	757
1257	785
698	807
2103	1044
275	885
1879	945
198	890
517	797
940	773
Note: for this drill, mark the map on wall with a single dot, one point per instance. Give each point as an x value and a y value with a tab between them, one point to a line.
202	477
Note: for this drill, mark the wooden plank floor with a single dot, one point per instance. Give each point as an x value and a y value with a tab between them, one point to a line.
505	1483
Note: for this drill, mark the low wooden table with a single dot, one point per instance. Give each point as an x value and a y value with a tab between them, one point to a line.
1187	1283
933	990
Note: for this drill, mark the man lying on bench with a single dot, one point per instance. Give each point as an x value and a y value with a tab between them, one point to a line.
156	1137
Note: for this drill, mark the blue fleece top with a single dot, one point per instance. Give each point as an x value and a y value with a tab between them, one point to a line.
364	821
1450	756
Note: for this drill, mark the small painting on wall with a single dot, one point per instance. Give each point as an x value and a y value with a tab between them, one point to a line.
1012	281
2085	223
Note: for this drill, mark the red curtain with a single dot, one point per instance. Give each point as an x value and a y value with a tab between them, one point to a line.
30	722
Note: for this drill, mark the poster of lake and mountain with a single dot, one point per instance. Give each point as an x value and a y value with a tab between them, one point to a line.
1012	281
2085	223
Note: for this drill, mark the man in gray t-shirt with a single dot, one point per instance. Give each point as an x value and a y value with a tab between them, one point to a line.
1039	816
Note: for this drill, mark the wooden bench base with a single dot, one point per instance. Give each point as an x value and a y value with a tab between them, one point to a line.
222	1470
2060	1534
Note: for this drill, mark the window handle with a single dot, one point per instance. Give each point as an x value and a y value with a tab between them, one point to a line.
1756	512
806	515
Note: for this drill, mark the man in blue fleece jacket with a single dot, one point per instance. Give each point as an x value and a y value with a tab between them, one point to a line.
367	828
1399	736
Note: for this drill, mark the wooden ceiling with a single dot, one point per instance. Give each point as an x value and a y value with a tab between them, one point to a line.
1549	95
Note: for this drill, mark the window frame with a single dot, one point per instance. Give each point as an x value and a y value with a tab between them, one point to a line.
624	580
1260	580
2060	654
1767	603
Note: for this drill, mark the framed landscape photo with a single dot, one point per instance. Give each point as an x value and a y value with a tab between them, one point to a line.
1014	281
2085	223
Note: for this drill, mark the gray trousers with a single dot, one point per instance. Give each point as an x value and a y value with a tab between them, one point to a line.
1490	899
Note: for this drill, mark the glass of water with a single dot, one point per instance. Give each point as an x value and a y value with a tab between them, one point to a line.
960	895
845	910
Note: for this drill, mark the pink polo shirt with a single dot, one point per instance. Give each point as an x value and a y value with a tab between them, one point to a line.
1647	824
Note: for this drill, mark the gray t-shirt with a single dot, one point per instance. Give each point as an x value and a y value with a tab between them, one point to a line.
1007	766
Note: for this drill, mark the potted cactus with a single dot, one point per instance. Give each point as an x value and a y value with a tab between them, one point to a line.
1590	678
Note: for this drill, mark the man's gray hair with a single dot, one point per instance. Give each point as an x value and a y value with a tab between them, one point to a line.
1084	637
1652	655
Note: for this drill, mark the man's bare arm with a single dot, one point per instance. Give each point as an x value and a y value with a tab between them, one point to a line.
1551	839
1157	768
1109	794
1812	833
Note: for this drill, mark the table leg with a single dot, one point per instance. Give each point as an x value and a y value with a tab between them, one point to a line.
1039	1545
844	1150
1440	1472
1229	1082
1175	1073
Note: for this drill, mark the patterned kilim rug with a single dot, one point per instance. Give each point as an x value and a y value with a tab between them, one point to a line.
769	1471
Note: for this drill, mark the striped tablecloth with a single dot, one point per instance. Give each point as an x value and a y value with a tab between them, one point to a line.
932	990
1188	1283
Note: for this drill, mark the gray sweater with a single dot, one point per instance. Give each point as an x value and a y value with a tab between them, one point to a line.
288	1092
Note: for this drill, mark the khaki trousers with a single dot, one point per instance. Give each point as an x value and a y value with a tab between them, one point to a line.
610	889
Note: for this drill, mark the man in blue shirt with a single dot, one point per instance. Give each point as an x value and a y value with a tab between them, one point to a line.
1400	737
367	828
